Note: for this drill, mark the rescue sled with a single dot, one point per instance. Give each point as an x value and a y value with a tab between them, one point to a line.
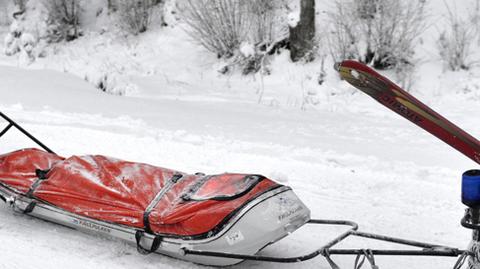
215	220
159	210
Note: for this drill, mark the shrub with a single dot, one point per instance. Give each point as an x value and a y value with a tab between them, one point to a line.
218	25
63	20
455	43
136	15
268	21
344	38
19	41
244	32
382	33
221	26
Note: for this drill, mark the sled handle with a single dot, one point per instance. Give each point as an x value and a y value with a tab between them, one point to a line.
12	123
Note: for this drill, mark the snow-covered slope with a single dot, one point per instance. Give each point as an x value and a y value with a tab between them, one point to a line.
357	162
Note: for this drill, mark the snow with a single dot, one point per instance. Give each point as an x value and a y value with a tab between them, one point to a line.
345	156
247	49
334	162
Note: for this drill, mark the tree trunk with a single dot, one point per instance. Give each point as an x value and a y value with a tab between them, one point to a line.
303	34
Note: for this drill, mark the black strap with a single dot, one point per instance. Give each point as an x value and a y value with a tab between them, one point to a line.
146	221
30	207
41	176
157	240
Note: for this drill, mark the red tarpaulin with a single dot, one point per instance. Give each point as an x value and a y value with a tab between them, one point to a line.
118	191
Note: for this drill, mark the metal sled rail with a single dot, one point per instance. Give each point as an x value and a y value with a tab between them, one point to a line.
326	250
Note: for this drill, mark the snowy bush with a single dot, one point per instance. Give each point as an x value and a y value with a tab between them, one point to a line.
20	41
136	15
382	33
243	31
63	19
269	21
267	34
344	38
12	39
28	42
109	79
455	43
219	25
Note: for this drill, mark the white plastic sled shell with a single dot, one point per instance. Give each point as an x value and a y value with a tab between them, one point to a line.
265	220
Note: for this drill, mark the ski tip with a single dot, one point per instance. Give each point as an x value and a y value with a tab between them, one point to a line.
355	72
337	66
363	77
350	71
349	65
346	69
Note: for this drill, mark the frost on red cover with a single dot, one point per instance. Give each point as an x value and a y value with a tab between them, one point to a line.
117	191
103	188
17	169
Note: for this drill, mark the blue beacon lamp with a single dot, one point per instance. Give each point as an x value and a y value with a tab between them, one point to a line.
471	195
471	220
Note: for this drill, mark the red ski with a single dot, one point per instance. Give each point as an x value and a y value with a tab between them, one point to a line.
395	98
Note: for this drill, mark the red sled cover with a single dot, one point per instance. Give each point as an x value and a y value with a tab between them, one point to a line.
138	195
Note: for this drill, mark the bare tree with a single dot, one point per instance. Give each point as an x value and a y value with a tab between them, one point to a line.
302	35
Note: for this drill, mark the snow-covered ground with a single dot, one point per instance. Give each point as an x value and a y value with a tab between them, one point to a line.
345	156
356	162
